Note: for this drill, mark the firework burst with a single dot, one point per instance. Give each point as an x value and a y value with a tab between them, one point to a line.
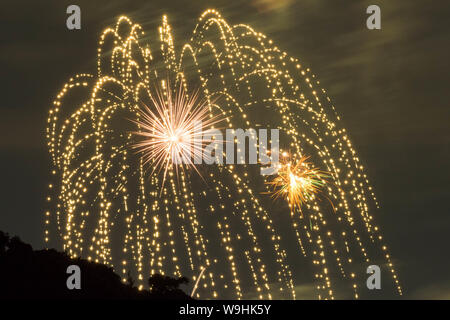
176	130
297	182
106	207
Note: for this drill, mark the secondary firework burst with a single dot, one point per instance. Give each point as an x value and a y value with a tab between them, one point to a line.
297	181
174	129
105	206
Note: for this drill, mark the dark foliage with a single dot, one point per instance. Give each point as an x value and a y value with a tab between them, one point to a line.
41	274
163	284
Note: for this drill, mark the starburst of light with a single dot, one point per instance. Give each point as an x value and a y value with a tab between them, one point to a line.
297	182
174	129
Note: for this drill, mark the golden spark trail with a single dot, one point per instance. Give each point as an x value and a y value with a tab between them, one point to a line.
106	205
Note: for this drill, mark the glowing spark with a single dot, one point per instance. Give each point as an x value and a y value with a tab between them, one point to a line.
198	280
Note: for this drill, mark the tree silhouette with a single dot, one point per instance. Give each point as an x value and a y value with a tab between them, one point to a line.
25	273
160	284
130	280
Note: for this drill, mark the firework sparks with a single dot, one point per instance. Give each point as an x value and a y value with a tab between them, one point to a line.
198	280
298	182
176	131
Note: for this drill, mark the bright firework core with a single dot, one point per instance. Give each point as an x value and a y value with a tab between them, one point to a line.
170	128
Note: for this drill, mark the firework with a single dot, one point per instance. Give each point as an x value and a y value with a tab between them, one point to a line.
298	182
107	207
176	132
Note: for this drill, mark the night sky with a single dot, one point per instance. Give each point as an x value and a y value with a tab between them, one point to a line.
390	86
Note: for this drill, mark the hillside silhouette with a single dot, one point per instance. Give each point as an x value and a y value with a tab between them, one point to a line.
41	274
